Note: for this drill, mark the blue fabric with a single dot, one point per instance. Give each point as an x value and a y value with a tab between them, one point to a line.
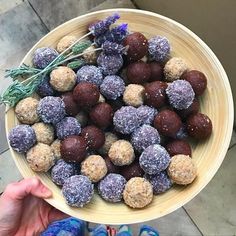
147	230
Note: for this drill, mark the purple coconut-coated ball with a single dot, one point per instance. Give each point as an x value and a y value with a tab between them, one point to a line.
146	114
143	137
112	87
44	56
44	88
158	48
125	120
90	73
110	64
22	138
78	190
62	171
160	182
111	187
67	127
180	94
51	109
154	159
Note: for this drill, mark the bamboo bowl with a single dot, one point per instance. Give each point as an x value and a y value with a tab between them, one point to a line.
217	103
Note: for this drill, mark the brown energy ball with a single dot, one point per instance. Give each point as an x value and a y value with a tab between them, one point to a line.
71	106
90	56
86	94
65	42
101	115
62	79
94	167
138	193
138	72
197	80
174	68
121	153
134	95
192	109
179	147
40	157
111	168
56	149
74	149
94	137
110	138
44	133
26	111
132	170
182	169
155	94
167	122
157	72
199	126
137	46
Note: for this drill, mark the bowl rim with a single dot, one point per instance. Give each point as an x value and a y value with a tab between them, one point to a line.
226	140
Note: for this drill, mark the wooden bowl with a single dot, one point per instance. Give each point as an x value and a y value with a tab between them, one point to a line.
217	103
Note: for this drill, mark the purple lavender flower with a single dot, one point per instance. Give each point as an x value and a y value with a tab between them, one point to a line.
112	48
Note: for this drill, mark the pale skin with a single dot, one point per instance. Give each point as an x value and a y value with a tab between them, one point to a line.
23	210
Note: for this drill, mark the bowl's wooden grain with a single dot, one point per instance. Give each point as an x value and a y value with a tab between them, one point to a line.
217	103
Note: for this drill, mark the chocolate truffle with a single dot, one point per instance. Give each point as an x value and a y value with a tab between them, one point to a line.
44	133
192	109
126	120
45	88
197	80
174	68
56	149
112	87
62	79
67	127
22	138
199	126
110	138
155	94
74	149
157	72
40	157
111	187
143	137
101	115
86	94
146	114
138	193
121	153
138	72
179	147
109	64
180	94
160	182
168	123
94	136
78	190
94	167
90	55
70	105
134	95
137	46
111	168
132	170
65	42
91	74
154	159
158	48
26	110
42	57
182	169
82	118
51	109
62	171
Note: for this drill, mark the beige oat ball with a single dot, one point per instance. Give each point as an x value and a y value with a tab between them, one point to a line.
134	95
90	56
40	157
182	169
82	117
101	98
121	153
63	79
138	192
65	42
94	167
56	149
44	132
26	111
110	138
174	68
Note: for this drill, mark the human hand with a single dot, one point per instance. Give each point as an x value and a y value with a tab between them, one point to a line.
23	212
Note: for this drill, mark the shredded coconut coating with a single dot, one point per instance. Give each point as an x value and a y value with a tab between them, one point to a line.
90	56
44	133
56	149
110	138
134	95
65	42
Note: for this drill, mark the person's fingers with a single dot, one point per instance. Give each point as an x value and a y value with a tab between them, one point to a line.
19	190
55	215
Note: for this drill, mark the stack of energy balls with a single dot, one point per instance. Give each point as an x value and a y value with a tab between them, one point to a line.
119	123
